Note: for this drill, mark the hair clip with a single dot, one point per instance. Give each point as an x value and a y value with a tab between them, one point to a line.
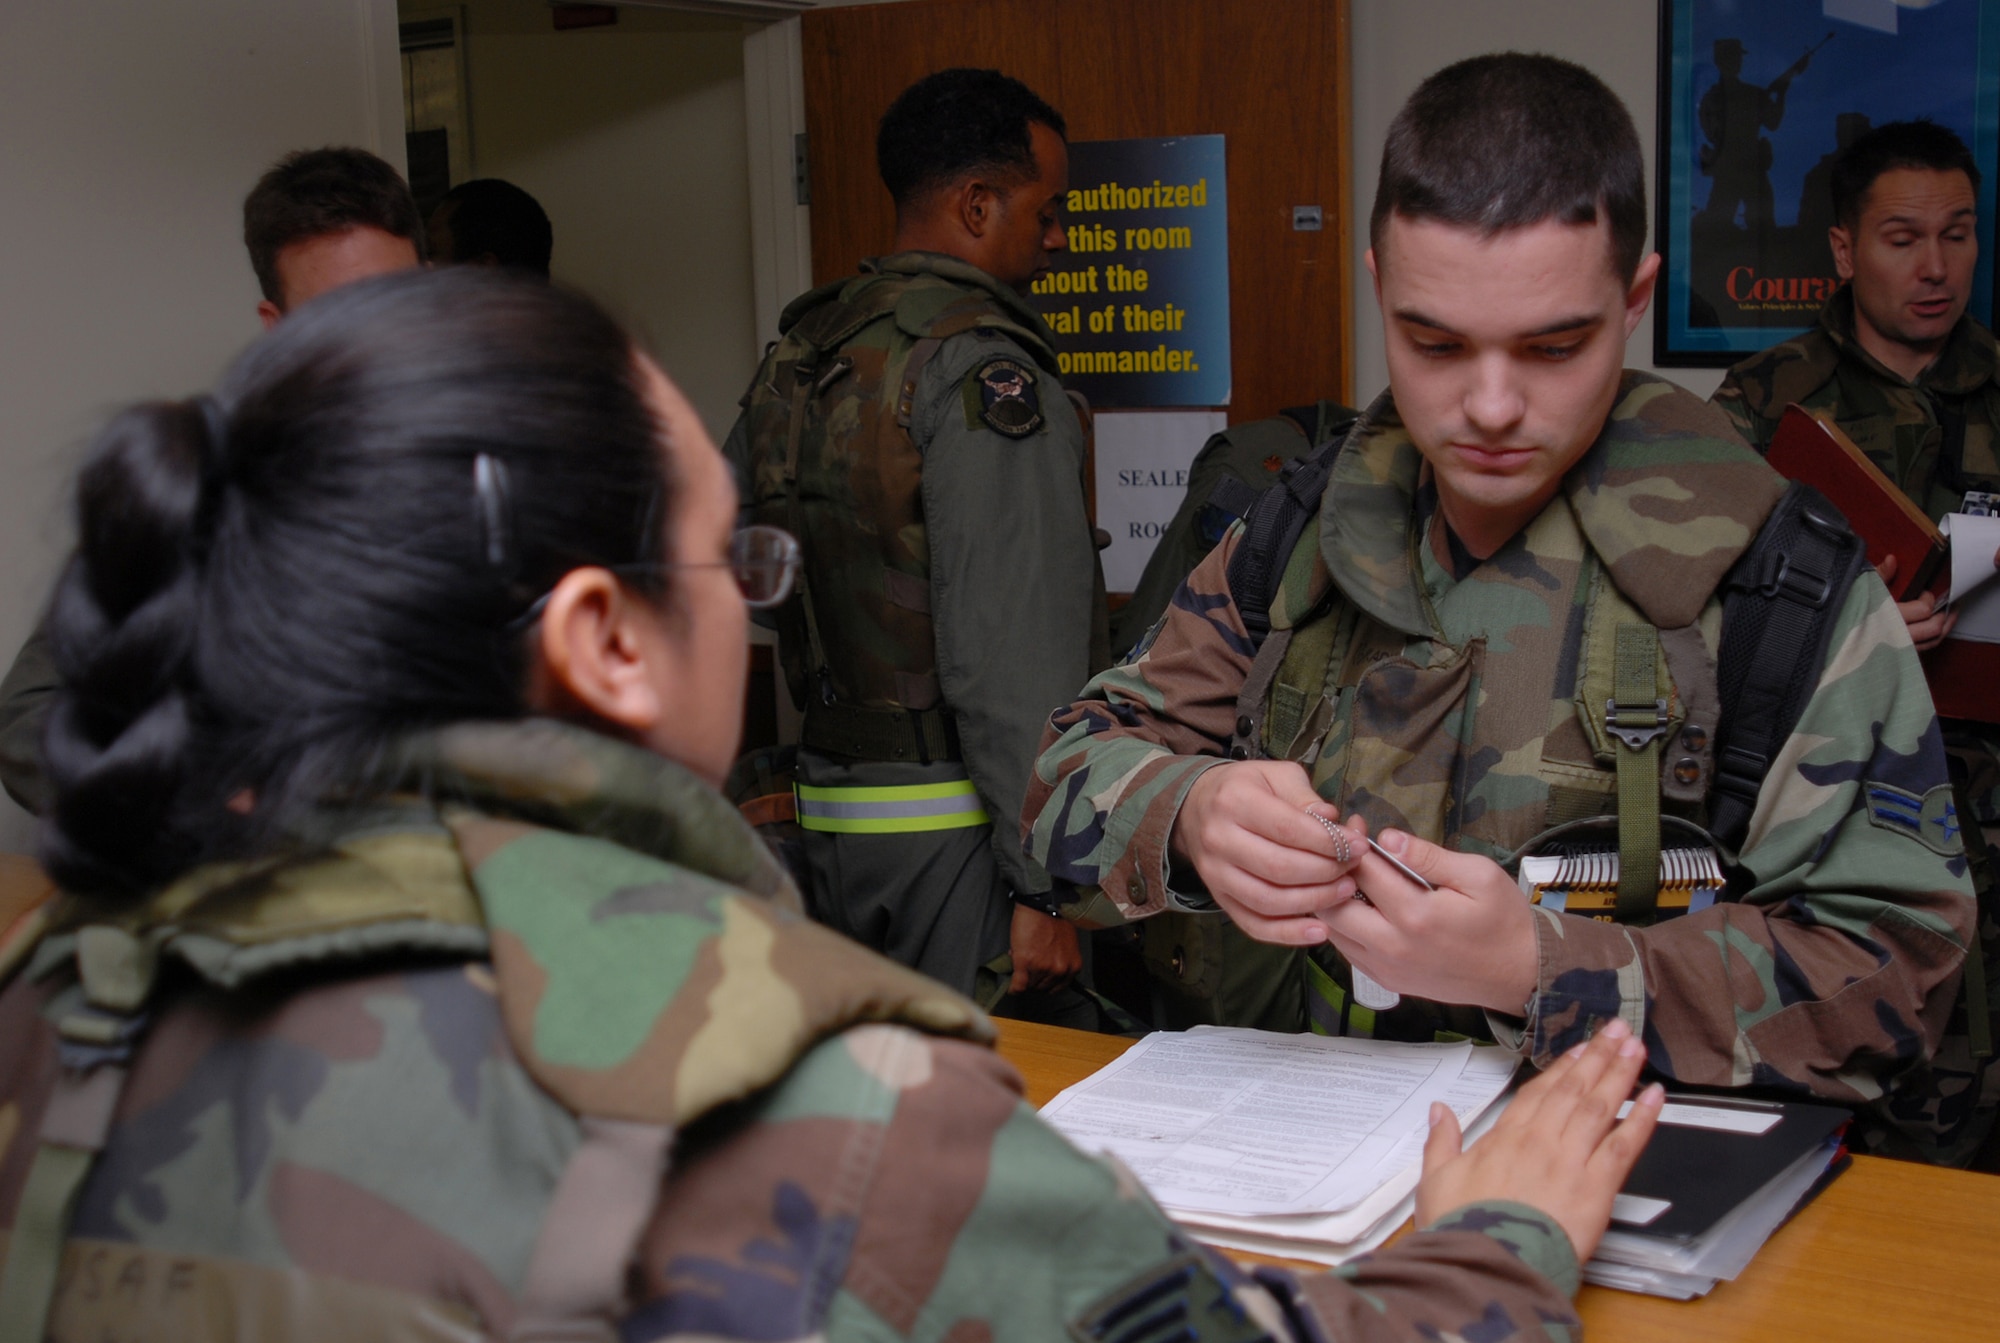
495	511
214	419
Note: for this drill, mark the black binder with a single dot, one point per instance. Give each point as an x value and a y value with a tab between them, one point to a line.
1704	1174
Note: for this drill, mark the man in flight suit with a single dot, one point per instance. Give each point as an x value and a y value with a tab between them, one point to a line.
910	428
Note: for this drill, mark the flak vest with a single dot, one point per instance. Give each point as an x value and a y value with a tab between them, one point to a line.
832	460
434	890
1411	731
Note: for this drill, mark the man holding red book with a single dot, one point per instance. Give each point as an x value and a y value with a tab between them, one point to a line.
1914	380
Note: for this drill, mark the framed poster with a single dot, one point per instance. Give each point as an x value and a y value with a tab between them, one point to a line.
1757	98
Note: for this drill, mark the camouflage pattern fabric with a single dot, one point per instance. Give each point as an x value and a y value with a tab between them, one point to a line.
1833	975
1901	425
1905	427
846	367
25	698
949	557
374	1064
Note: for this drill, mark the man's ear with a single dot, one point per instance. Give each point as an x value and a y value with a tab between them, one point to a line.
1374	273
1639	295
597	642
977	204
268	313
1842	243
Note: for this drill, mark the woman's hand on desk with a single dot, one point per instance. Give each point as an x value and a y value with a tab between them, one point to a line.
1559	1147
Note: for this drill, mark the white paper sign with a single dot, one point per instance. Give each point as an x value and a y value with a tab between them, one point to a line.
1143	458
1721	1118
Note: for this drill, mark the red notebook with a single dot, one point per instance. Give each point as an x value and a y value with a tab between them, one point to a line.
1815	451
1964	675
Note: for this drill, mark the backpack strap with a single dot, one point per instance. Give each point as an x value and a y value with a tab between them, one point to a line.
98	1036
574	1290
1321	423
1272	529
1779	604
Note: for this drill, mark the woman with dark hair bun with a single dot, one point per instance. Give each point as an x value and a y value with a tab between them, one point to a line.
409	979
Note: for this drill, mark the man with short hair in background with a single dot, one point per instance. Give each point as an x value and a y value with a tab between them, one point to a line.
910	427
1503	616
488	222
317	220
1908	374
322	218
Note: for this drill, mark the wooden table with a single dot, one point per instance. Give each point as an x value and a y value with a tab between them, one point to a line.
1888	1251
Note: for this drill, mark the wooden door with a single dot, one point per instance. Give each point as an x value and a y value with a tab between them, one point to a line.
1271	77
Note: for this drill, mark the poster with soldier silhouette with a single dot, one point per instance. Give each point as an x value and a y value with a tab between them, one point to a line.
1757	99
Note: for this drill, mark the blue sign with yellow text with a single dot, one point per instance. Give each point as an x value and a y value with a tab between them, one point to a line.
1139	304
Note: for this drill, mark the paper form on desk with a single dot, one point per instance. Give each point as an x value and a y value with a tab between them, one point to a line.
1242	1122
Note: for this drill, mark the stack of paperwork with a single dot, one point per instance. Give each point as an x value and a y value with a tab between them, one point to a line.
1309	1147
1303	1146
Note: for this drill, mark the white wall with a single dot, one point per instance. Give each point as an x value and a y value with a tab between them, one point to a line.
1396	43
129	134
632	137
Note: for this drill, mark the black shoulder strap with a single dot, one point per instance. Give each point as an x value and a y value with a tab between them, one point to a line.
1779	605
1322	421
1272	528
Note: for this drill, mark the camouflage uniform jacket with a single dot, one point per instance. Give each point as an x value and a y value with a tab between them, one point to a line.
1833	974
1936	438
425	1085
25	696
975	587
1903	426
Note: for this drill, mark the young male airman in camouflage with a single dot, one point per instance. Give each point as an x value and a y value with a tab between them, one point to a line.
910	429
1502	526
1914	380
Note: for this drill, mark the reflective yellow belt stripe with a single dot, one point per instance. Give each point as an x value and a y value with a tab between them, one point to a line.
903	809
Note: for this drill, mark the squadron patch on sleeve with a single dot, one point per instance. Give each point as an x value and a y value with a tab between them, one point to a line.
1006	400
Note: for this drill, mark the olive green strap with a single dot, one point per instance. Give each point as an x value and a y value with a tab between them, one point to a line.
73	1130
802	394
1636	717
41	1226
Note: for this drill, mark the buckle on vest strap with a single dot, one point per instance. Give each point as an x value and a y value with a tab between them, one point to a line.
1634	724
1808	589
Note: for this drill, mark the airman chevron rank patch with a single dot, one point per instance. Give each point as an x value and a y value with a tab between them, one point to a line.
1180	1301
1931	819
1007	401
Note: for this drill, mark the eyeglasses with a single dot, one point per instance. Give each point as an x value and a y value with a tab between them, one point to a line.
763	560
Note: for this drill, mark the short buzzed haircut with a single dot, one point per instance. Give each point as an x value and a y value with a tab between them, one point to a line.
316	192
1506	141
493	218
955	123
1898	144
